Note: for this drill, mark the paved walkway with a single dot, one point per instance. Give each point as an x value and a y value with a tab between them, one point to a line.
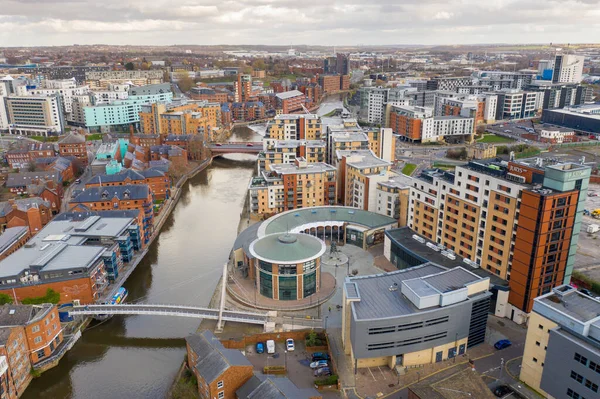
244	290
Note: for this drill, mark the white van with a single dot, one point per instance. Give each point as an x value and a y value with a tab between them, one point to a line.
270	346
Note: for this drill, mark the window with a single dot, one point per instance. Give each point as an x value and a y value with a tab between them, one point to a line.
221	395
580	359
220	385
577	377
590	385
534	360
37	340
35	329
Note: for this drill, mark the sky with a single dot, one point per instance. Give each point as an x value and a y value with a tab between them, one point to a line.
296	22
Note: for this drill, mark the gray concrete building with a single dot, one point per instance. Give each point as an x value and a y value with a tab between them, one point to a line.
420	315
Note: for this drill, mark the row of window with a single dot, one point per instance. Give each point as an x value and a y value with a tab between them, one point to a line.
408	326
582	380
583	360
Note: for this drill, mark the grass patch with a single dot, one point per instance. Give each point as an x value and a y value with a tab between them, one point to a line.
50	297
44	139
95	136
444	166
409	169
492	138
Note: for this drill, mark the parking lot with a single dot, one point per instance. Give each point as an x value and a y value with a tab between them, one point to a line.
587	259
296	362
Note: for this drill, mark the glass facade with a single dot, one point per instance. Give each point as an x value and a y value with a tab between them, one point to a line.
355	237
288	288
265	266
266	284
309	284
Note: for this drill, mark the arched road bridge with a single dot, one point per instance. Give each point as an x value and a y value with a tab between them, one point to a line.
242	147
172	310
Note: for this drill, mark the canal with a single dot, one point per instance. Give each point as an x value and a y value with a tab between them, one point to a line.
138	356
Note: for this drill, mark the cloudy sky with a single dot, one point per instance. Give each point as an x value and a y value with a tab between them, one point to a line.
285	22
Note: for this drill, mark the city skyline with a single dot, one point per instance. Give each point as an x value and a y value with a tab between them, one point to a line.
283	22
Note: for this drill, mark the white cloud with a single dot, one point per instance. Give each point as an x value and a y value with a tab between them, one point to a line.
327	22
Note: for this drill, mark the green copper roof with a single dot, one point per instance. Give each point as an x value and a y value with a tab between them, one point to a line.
287	248
289	220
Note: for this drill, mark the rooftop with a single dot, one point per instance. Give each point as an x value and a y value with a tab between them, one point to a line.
288	168
22	204
59	245
273	387
10	236
129	191
361	159
21	315
289	94
465	383
213	358
425	252
385	295
294	219
22	179
287	248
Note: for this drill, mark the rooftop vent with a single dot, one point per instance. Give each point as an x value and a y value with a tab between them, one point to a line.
287	238
394	287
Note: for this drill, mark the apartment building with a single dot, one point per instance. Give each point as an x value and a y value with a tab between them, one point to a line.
126	112
334	83
293	127
467	106
502	80
562	355
359	172
515	104
42	327
74	145
210	95
490	211
102	79
418	124
392	199
448	83
292	186
375	100
382	142
66	89
345	135
127	197
35	115
291	101
195	118
242	88
15	364
158	181
568	68
286	151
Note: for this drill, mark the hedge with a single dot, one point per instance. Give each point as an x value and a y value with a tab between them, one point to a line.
50	297
331	380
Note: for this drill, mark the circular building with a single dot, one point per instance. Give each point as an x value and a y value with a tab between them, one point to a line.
286	266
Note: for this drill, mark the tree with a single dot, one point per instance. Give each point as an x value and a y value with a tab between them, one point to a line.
259	65
185	83
5	299
129	66
31	167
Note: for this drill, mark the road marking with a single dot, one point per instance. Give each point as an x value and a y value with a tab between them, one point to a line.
369	368
381	371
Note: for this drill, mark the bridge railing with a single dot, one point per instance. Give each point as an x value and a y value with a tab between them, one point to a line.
166	305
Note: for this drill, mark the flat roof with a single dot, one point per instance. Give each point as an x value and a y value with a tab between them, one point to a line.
361	159
11	235
572	303
288	221
404	237
287	248
59	245
289	94
288	168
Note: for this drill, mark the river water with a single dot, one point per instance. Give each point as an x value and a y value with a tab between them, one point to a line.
138	356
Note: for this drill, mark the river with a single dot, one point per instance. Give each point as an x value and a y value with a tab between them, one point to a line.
138	356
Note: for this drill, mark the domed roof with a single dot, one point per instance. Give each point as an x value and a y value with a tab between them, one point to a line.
287	248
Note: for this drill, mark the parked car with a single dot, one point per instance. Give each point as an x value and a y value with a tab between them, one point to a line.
249	145
270	346
502	391
77	181
260	347
503	343
289	345
322	372
318	364
586	292
319	356
218	144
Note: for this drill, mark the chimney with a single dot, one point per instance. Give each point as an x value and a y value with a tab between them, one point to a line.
12	203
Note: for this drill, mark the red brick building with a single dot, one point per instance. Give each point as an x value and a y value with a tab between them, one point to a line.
159	182
33	213
17	376
334	83
220	372
74	145
291	101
